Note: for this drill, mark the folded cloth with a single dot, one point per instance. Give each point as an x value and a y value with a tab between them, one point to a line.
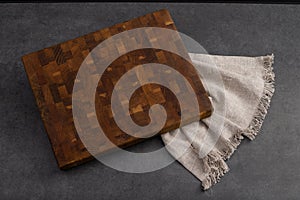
240	103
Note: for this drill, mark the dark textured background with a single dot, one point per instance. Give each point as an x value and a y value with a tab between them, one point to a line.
267	168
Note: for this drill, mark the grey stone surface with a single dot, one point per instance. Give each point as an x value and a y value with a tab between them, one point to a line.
267	168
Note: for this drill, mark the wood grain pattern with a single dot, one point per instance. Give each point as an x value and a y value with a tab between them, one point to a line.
52	71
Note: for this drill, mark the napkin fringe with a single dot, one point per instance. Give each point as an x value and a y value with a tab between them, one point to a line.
260	114
215	167
214	162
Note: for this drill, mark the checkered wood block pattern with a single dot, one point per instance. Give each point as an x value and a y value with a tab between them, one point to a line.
52	71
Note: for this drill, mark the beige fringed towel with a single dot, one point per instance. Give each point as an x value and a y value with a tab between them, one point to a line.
247	88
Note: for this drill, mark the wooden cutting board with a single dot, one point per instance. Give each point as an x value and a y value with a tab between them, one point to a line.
52	71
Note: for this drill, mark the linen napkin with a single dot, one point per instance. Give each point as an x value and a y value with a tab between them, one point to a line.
240	102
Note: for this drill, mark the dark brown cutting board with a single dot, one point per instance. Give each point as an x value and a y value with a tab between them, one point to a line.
52	71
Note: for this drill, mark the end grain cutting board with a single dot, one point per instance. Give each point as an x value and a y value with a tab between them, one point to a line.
52	71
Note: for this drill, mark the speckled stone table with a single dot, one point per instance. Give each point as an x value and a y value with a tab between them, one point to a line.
268	168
